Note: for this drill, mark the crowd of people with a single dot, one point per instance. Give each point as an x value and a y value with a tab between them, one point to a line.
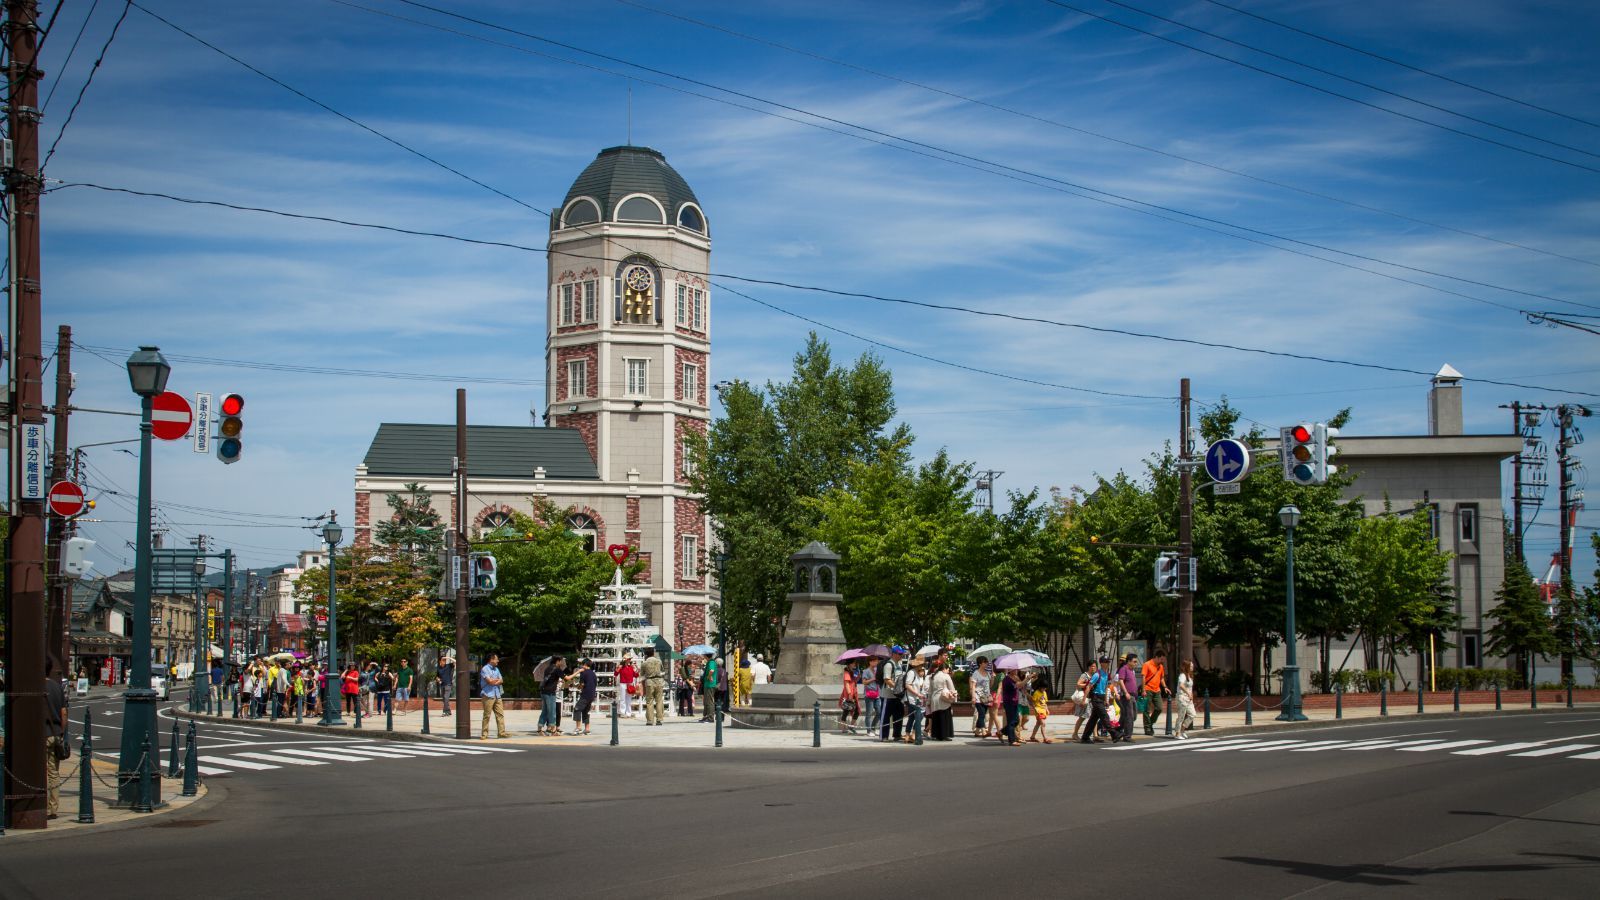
278	687
902	697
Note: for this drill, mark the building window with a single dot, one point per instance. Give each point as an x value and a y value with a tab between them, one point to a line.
691	307
1433	520
1467	517
577	378
578	303
1471	649
564	295
639	209
690	567
689	218
688	459
591	303
698	310
586	529
638	377
495	521
636	288
691	383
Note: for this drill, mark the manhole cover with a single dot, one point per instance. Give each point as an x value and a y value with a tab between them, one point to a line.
186	823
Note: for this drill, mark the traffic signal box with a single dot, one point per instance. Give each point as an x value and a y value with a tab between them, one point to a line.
1305	450
229	445
484	573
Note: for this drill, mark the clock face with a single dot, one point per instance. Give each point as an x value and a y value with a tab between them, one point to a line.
638	278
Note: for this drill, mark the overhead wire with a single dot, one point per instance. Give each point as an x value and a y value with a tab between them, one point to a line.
1056	123
1035	179
128	4
1319	88
861	295
62	71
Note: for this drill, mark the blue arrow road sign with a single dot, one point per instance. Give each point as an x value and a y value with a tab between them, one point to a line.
1228	461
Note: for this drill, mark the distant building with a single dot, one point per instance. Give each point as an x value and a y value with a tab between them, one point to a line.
627	369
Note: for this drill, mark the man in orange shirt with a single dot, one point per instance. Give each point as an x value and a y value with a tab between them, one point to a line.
1154	676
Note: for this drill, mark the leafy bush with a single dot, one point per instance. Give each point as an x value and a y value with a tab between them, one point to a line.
1373	680
1341	680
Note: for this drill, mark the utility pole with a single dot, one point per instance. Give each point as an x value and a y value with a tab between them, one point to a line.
1529	479
25	582
1568	436
60	616
457	565
985	482
1516	484
1185	532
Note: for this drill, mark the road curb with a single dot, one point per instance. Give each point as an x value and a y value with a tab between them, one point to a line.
69	828
1271	726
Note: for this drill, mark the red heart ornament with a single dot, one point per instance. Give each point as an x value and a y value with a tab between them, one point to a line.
619	553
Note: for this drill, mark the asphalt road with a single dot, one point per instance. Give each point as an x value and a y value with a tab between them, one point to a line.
1260	819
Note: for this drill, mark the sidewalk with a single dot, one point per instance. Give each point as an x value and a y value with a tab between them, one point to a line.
106	817
690	732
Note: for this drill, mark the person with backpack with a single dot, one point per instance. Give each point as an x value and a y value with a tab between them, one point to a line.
1099	683
891	678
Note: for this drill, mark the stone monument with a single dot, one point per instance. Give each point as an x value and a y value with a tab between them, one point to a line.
812	640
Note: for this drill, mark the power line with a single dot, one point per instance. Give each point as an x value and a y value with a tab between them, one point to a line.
324	370
70	51
85	89
1056	123
1395	62
1332	74
1318	88
952	157
843	293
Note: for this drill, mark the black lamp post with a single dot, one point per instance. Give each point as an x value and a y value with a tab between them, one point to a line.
1290	517
721	559
331	533
147	375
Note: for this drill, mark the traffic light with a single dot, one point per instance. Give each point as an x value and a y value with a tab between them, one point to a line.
1297	444
1167	573
229	446
485	577
1323	436
75	556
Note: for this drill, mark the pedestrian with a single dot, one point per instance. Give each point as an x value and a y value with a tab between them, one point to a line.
982	677
681	690
1039	700
942	697
383	689
56	748
744	682
403	680
916	698
1010	696
350	688
709	679
722	685
760	672
1154	675
1080	699
218	683
892	678
1185	698
849	699
1099	684
871	695
490	688
370	670
278	677
550	697
447	680
1024	689
655	685
587	683
262	690
627	687
1128	695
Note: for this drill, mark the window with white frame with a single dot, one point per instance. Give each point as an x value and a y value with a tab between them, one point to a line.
690	561
688	458
564	302
577	378
691	307
638	377
591	301
1467	516
578	302
683	304
691	383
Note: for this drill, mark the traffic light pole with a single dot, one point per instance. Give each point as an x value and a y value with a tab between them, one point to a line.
463	676
1185	534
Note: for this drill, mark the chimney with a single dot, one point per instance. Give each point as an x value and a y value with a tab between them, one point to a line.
1444	403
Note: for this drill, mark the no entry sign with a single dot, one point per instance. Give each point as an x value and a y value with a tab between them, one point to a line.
170	417
66	499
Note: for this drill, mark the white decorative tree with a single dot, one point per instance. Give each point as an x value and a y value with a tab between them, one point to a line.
617	627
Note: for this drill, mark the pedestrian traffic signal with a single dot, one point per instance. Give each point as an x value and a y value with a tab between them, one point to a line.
74	556
1167	573
485	575
1297	444
1323	436
229	445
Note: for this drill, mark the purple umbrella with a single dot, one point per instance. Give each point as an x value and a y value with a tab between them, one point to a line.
852	654
1016	661
878	650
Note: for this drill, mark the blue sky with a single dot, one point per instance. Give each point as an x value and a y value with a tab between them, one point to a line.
790	202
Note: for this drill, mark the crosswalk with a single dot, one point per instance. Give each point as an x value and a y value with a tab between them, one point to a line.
244	758
1565	747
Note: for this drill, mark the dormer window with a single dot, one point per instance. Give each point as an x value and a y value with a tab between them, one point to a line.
690	218
581	211
639	209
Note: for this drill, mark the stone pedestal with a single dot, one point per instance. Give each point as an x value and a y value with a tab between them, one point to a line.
812	640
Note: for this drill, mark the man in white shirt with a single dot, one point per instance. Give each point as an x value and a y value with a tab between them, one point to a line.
760	672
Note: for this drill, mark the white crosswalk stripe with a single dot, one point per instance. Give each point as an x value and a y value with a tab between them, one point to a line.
280	758
1563	747
327	754
235	760
1447	745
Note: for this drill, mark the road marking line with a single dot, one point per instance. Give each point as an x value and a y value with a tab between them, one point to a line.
1268	745
1501	748
433	749
210	770
1594	755
407	751
1201	746
378	754
1388	745
237	763
499	749
272	757
323	754
1309	746
1447	745
1564	748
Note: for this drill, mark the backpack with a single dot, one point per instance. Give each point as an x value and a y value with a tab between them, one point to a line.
899	689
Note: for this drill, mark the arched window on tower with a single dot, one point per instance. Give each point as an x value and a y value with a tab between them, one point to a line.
690	218
584	527
639	209
581	211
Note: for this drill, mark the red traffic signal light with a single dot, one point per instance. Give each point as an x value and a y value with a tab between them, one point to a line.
232	405
1299	453
1301	433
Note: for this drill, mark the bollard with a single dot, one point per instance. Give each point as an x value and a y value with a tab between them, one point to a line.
1169	714
1248	718
1383	698
1569	694
358	710
143	803
272	707
172	764
719	722
388	708
191	764
614	740
1419	698
1533	694
444	698
1497	695
299	708
1455	700
425	729
1338	701
920	719
1208	709
235	704
816	723
85	777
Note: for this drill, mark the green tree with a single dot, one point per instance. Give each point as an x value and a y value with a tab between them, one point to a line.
372	582
1577	619
415	528
1522	629
775	450
1399	585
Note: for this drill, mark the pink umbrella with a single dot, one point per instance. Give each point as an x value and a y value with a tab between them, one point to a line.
852	654
1016	661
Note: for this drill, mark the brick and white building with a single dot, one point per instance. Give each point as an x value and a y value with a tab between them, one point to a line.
627	367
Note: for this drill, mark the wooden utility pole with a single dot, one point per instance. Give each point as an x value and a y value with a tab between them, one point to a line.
1185	534
60	625
459	572
25	584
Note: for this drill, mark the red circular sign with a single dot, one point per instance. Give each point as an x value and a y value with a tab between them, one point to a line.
170	417
66	498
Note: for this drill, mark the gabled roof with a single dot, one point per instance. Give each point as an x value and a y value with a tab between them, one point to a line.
493	451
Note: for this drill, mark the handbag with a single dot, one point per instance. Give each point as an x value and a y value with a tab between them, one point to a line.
633	690
872	693
1078	697
62	749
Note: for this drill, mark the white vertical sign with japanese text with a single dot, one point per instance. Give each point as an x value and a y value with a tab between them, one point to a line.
202	423
33	461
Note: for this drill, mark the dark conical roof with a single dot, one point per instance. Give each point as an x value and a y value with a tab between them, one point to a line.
619	171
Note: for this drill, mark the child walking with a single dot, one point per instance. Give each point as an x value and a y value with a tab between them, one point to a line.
1039	699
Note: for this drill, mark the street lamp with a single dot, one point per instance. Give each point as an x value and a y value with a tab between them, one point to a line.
201	652
721	559
1290	517
147	375
331	533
